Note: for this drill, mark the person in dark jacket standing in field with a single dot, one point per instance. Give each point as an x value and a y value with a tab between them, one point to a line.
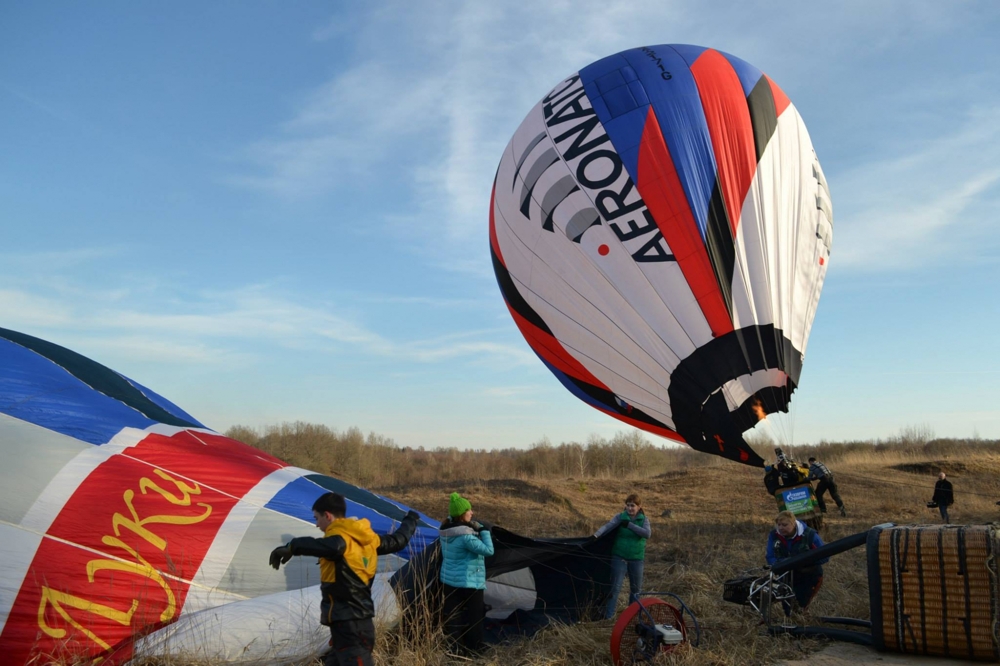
348	555
944	496
792	537
820	472
465	545
628	553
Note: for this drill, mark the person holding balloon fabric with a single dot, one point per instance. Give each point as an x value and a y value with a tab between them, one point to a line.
465	545
628	553
348	558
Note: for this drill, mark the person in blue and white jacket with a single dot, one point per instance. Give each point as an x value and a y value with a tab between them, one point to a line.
792	537
465	545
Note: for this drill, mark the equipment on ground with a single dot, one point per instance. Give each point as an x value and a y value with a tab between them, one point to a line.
801	501
933	590
789	483
648	627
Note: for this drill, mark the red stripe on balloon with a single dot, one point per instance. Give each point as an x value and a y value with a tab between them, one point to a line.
644	425
661	189
552	352
119	556
728	117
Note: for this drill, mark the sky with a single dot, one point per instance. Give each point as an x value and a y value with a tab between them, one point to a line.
271	212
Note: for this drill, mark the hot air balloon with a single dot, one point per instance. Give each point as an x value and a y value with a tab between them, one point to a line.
127	527
660	229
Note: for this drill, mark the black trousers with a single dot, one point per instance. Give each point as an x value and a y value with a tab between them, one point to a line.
827	483
805	585
464	611
352	642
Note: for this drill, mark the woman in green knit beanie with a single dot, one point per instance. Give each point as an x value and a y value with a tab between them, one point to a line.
465	545
631	529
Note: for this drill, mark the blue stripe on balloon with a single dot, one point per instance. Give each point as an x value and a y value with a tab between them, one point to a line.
573	388
36	390
747	73
677	105
625	127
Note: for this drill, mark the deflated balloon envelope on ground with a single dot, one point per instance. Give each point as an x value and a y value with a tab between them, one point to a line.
127	527
660	230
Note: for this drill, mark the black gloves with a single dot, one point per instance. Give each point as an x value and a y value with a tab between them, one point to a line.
480	525
280	555
413	515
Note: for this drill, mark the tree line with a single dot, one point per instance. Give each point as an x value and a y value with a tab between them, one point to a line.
376	460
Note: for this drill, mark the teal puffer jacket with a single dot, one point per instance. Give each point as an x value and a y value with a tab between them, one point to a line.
463	555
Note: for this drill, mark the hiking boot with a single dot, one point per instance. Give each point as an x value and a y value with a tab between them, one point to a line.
843	512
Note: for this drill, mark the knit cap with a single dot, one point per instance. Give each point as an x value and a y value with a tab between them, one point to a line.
458	505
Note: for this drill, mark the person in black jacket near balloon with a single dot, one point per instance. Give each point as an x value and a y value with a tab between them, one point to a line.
944	496
348	555
820	472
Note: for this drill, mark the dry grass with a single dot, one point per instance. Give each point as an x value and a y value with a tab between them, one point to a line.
719	515
719	518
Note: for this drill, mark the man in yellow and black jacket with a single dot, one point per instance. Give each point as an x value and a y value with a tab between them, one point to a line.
348	555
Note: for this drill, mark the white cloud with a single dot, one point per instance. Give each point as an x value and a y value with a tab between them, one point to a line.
433	95
218	327
143	347
925	206
341	130
26	310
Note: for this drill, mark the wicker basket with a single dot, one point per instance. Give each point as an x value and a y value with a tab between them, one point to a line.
934	590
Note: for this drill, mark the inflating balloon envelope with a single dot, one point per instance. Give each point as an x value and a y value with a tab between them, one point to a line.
127	527
660	229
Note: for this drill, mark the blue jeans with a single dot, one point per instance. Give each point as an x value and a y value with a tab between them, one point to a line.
618	568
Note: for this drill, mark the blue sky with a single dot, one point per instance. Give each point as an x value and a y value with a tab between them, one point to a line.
271	212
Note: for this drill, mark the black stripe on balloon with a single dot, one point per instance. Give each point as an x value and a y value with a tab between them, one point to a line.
699	410
721	248
763	117
513	296
524	155
98	377
547	159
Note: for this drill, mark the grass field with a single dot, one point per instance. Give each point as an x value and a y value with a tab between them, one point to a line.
710	519
719	516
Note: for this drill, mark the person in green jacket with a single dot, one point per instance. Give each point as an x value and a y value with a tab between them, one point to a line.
631	529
